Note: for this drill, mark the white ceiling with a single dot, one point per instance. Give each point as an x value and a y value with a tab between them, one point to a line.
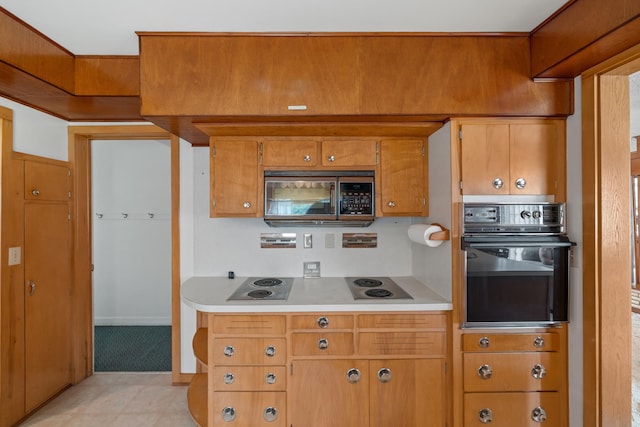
107	27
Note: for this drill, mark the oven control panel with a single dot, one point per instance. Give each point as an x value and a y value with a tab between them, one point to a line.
513	217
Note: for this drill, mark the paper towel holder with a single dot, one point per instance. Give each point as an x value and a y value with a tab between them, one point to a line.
440	235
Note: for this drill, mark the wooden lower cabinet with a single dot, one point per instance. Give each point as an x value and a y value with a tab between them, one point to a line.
513	409
367	393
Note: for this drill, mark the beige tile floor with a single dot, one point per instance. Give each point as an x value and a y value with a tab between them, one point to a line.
117	400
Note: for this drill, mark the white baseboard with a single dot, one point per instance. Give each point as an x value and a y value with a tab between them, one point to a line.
132	321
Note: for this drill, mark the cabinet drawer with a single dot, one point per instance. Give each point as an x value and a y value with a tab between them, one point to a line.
249	409
399	343
248	324
513	409
513	372
321	321
402	321
349	152
249	351
299	153
511	342
322	344
249	378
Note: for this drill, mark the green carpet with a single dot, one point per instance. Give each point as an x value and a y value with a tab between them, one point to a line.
132	348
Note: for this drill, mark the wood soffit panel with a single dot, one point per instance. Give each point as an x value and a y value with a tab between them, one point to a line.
37	72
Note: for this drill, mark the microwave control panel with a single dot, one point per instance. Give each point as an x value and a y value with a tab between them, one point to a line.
356	198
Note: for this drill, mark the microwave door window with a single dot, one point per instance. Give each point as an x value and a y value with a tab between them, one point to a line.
300	198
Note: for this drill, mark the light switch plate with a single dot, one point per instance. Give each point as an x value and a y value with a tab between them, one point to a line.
311	269
308	241
14	256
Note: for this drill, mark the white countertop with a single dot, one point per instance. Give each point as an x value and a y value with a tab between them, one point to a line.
209	294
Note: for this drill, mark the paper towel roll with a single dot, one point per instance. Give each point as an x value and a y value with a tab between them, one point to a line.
420	233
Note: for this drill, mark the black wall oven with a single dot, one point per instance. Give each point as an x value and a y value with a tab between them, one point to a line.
516	265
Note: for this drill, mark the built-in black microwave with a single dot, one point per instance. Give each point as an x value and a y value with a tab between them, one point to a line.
322	198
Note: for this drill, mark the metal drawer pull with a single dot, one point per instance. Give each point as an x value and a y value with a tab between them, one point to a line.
384	375
538	342
391	204
270	414
323	344
32	287
228	351
539	415
323	322
485	415
270	351
307	158
35	192
229	378
538	371
353	375
484	342
521	183
485	372
246	205
331	158
228	414
270	378
498	183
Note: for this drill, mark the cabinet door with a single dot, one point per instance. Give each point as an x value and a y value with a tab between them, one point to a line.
485	159
349	152
328	393
47	301
407	393
533	156
403	178
234	178
289	153
513	409
44	181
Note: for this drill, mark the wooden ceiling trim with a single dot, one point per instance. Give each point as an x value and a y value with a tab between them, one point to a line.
107	75
582	35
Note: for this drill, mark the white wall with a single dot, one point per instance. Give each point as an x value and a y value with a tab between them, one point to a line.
132	255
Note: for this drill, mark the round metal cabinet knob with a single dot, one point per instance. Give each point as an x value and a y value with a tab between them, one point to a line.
270	414
228	414
323	322
229	378
539	415
323	344
270	378
485	372
521	183
246	205
229	351
485	415
307	158
384	375
35	192
353	375
331	158
391	204
538	371
538	342
498	183
484	342
270	351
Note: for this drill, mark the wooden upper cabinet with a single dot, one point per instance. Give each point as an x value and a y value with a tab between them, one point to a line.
45	181
520	157
290	153
349	152
403	178
245	75
235	183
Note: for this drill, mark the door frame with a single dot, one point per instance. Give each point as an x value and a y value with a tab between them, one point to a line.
606	245
80	138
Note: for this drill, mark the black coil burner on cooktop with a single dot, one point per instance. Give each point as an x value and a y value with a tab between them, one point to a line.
376	288
263	288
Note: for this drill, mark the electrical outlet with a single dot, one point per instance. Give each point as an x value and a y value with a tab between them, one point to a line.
308	241
14	256
311	269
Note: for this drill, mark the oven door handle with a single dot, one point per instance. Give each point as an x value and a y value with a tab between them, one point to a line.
519	244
